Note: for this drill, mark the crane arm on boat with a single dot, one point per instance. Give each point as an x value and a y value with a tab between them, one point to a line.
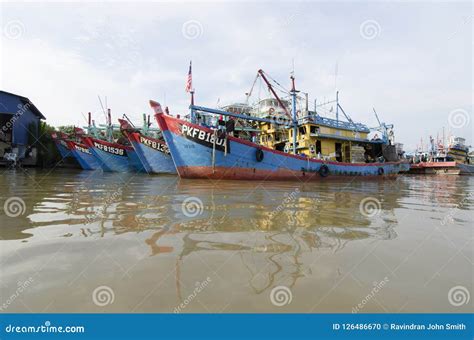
236	115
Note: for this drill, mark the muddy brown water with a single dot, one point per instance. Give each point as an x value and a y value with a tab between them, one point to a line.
79	241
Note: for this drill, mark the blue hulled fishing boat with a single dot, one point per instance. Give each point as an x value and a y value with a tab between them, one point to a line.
83	155
114	156
295	146
201	152
60	140
152	152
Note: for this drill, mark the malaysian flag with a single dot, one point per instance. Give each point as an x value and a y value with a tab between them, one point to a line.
189	80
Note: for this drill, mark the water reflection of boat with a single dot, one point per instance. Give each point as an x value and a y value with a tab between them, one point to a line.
271	247
312	239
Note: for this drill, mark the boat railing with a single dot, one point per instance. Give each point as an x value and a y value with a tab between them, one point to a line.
316	119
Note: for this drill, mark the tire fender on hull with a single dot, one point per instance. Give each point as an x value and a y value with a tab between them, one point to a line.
324	170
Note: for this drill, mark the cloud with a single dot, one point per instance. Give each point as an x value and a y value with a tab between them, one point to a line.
416	70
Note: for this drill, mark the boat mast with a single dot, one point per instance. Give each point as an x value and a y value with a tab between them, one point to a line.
193	118
295	122
444	142
110	128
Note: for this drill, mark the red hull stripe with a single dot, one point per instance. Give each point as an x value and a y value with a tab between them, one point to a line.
90	142
135	136
258	174
72	143
434	165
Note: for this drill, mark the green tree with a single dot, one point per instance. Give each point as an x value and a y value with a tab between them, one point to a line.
48	154
68	129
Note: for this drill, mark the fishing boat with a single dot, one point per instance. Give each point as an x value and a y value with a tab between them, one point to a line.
459	151
81	152
83	155
73	152
113	156
453	159
152	152
435	166
466	169
69	145
214	152
60	140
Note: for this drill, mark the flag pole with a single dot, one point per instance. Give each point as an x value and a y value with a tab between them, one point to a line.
193	119
190	89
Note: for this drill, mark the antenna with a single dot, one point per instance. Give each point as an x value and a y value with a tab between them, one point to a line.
376	116
83	116
335	76
103	110
128	120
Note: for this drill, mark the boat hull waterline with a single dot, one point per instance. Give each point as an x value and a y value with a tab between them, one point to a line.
435	168
466	169
197	156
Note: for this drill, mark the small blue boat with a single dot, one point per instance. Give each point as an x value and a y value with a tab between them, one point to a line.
83	155
153	153
113	157
60	139
136	162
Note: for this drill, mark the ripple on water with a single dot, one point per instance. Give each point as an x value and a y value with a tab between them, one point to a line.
255	234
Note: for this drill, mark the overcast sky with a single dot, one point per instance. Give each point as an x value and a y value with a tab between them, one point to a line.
411	61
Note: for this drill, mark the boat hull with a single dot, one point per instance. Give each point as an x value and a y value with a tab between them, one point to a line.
435	168
197	156
153	153
112	157
466	169
135	162
84	156
63	148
